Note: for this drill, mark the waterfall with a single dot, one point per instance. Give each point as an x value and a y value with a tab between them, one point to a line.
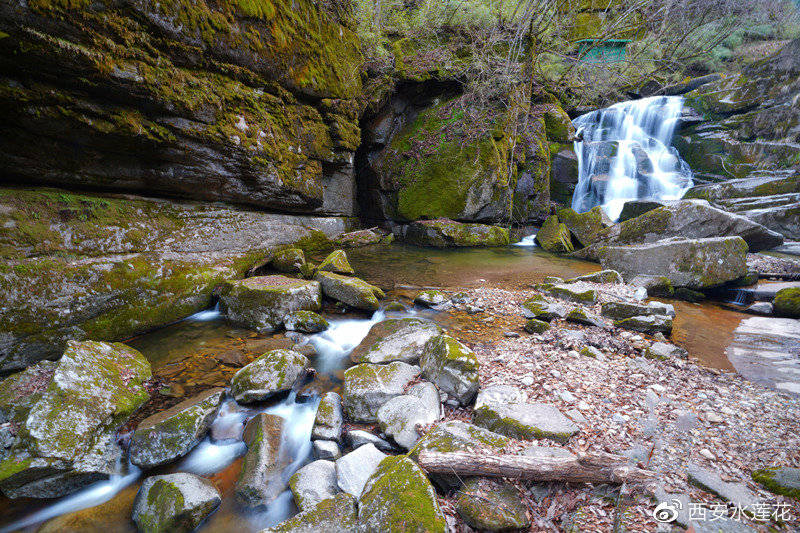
625	153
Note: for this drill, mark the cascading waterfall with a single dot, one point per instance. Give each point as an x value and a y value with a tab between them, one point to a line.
625	154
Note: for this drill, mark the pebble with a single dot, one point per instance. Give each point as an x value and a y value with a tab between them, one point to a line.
713	417
583	406
511	334
707	454
567	396
528	381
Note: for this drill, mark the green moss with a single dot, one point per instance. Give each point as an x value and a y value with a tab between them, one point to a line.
787	302
779	481
554	236
536	326
636	229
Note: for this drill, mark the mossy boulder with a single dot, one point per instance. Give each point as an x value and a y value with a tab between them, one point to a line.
458	436
364	237
400	417
337	263
68	437
399	498
446	233
779	480
534	325
452	367
787	302
20	391
579	292
693	263
646	324
260	479
367	387
354	292
395	339
334	514
619	310
329	418
174	503
504	413
261	302
603	276
305	322
558	125
289	260
274	372
580	316
554	236
354	469
171	434
314	483
587	227
538	307
492	505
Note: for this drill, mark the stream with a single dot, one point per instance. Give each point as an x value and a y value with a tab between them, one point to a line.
186	356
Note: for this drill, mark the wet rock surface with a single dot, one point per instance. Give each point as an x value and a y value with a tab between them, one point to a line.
174	502
260	480
314	483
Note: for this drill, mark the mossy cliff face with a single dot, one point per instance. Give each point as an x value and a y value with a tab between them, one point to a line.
106	267
250	101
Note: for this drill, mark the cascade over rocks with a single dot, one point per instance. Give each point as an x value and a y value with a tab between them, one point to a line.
68	438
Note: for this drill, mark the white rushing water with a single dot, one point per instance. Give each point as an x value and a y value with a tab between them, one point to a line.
625	153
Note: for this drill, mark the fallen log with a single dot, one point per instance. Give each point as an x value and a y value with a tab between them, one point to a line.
583	468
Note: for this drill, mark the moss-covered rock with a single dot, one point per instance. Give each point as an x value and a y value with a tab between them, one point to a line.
399	498
445	233
780	480
337	514
452	367
20	391
363	237
314	483
289	260
336	262
329	418
354	292
431	298
538	307
587	227
262	302
519	420
458	436
260	479
579	292
534	325
171	434
395	339
492	505
367	387
272	373
554	236
68	437
787	302
646	324
305	322
174	503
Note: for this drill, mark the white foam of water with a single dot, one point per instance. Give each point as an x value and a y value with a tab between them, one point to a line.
626	154
208	458
91	496
527	241
207	315
336	342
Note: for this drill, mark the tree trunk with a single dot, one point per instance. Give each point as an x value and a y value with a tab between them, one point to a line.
589	468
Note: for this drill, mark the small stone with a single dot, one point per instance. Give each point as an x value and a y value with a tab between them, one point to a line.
534	326
591	351
567	396
327	450
431	298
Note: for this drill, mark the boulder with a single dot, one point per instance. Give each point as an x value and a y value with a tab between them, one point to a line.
402	416
579	292
621	310
554	236
289	260
329	419
261	303
691	219
665	351
452	367
356	438
787	302
305	322
634	208
502	410
780	480
334	515
260	480
313	483
538	307
354	292
695	264
20	391
603	276
326	450
533	325
168	435
587	227
68	437
274	372
354	469
398	497
579	316
431	298
646	324
492	505
174	503
395	339
446	233
367	387
363	237
337	263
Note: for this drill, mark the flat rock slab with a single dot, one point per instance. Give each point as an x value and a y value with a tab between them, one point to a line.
526	421
261	303
175	503
168	435
395	339
646	324
367	387
765	350
735	493
621	310
354	469
313	483
579	292
538	307
781	480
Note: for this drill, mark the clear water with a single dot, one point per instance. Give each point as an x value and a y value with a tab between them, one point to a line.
626	153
